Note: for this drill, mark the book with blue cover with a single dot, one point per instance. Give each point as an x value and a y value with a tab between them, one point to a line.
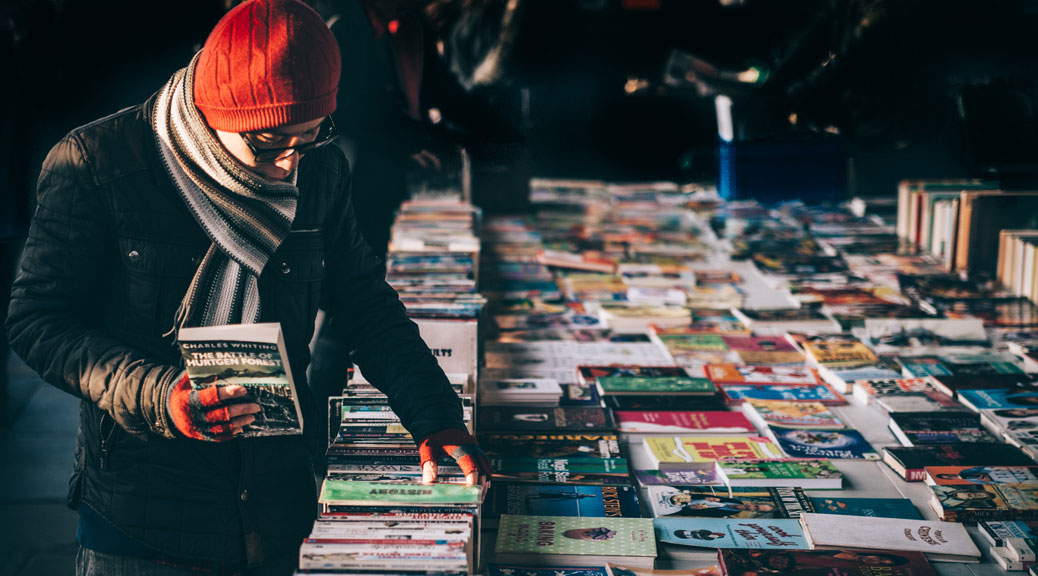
737	393
998	399
875	507
827	444
609	501
506	570
725	533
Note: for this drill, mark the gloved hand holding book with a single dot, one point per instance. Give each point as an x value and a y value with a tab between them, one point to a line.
461	446
214	414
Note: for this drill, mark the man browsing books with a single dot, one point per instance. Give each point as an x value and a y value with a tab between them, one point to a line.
216	202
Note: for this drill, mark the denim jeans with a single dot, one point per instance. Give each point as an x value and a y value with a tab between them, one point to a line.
92	563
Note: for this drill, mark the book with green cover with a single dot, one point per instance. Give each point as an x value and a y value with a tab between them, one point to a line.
654	385
561	541
807	474
347	493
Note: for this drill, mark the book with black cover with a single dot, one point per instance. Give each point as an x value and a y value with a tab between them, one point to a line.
910	462
823	563
950	427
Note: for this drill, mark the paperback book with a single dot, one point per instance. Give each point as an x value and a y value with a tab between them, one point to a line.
744	374
971	504
997	532
942	541
763	534
619	501
921	428
806	474
563	541
642	423
971	475
846	444
910	463
680	451
823	393
249	355
721	502
790	413
652	386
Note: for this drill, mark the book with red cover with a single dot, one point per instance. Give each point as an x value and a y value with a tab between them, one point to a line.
673	422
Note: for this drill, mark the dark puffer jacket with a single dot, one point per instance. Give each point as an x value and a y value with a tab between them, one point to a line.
110	252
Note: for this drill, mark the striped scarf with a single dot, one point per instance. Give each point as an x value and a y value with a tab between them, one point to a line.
245	215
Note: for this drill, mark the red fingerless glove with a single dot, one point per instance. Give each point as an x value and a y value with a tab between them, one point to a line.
199	414
457	444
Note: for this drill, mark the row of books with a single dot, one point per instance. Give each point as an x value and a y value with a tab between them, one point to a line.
376	515
625	376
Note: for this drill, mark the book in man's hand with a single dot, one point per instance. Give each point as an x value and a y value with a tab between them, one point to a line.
249	355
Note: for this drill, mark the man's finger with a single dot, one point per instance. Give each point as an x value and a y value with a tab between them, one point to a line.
242	421
471	478
233	391
429	472
236	410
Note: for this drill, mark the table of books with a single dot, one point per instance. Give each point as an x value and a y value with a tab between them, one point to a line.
656	368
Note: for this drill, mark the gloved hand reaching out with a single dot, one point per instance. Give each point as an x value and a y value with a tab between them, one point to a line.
209	414
461	446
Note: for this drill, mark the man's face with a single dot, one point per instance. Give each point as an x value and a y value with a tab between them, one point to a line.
277	137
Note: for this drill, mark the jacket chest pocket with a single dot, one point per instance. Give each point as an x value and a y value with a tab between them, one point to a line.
158	274
295	272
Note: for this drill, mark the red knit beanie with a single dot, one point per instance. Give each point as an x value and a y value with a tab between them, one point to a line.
267	63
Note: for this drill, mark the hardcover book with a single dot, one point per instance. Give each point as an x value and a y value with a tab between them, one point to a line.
828	444
563	541
875	507
679	451
249	355
910	463
806	474
719	502
763	534
944	541
824	563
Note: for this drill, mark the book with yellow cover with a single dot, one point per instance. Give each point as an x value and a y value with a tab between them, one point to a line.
681	451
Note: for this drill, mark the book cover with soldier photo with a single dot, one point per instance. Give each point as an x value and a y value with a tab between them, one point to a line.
252	356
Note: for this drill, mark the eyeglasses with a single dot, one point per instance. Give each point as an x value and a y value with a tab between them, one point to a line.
325	135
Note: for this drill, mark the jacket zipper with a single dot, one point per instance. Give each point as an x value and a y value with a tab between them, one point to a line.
106	441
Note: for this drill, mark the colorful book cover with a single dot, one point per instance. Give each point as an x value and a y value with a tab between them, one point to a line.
848	351
798	414
999	531
588	374
735	471
1000	399
911	461
721	502
717	422
861	562
875	507
554	535
659	385
579	395
986	502
764	350
617	501
736	393
967	475
674	451
742	374
342	492
724	533
828	444
699	476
